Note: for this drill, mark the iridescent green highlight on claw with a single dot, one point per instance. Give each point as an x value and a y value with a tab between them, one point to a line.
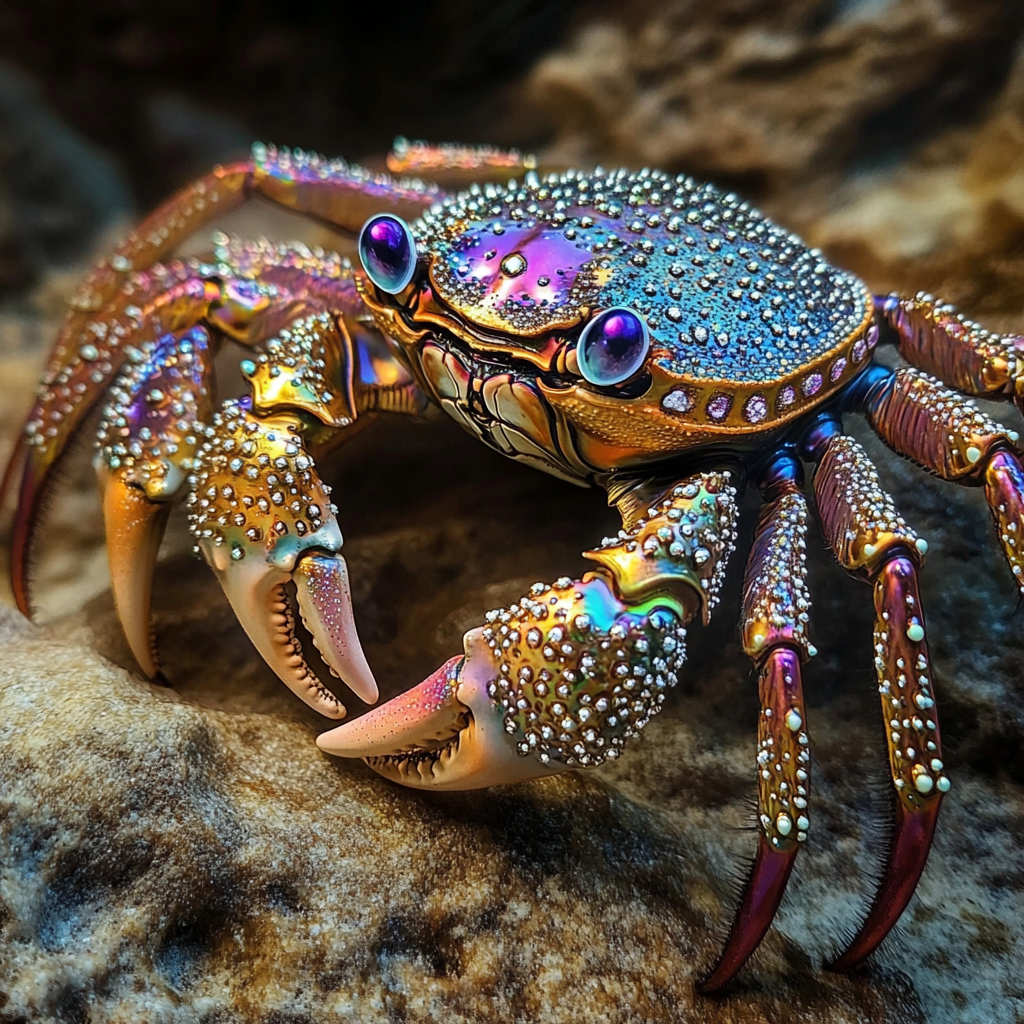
580	672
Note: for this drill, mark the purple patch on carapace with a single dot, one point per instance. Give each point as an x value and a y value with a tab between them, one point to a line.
718	407
756	409
811	384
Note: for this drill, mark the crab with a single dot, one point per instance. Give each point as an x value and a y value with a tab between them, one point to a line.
641	333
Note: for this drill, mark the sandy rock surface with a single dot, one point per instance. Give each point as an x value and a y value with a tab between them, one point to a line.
187	854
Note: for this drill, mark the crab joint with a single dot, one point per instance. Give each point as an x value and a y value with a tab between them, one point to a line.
262	518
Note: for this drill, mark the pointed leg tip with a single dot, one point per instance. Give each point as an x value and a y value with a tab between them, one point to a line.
21	601
146	660
760	901
911	843
845	962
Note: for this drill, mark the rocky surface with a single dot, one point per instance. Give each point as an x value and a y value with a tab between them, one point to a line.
186	854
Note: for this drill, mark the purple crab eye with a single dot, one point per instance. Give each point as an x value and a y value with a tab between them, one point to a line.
613	346
388	252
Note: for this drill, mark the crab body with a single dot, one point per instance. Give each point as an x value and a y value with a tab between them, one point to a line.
641	333
749	329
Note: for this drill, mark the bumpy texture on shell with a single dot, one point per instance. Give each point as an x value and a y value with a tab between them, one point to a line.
580	673
726	293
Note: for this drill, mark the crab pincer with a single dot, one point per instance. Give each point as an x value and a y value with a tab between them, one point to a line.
262	518
566	675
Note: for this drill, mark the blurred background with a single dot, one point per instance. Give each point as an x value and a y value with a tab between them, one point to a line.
888	130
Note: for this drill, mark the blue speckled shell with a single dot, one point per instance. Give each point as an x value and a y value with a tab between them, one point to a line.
727	294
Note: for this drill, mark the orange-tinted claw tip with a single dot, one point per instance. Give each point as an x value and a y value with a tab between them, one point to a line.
761	898
135	527
911	841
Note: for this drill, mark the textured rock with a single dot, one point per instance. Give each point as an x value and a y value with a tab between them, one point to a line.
766	94
178	854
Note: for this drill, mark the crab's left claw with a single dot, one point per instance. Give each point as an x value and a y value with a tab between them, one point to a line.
445	733
559	680
263	518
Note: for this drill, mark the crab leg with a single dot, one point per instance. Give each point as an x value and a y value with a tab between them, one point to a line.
177	299
106	313
163	396
252	474
870	538
937	339
147	441
949	435
252	291
903	670
775	613
454	164
565	676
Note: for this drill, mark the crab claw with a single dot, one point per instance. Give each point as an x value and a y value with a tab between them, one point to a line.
262	519
445	733
542	688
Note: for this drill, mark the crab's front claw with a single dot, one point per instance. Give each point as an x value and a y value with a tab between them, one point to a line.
262	519
561	679
445	733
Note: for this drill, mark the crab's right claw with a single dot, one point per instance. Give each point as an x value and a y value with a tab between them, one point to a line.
445	733
262	518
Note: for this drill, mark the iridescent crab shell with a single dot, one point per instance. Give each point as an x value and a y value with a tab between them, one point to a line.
748	326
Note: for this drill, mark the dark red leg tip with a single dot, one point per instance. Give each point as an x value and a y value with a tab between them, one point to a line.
761	898
911	842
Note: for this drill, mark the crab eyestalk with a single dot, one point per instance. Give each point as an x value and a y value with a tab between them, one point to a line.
262	518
